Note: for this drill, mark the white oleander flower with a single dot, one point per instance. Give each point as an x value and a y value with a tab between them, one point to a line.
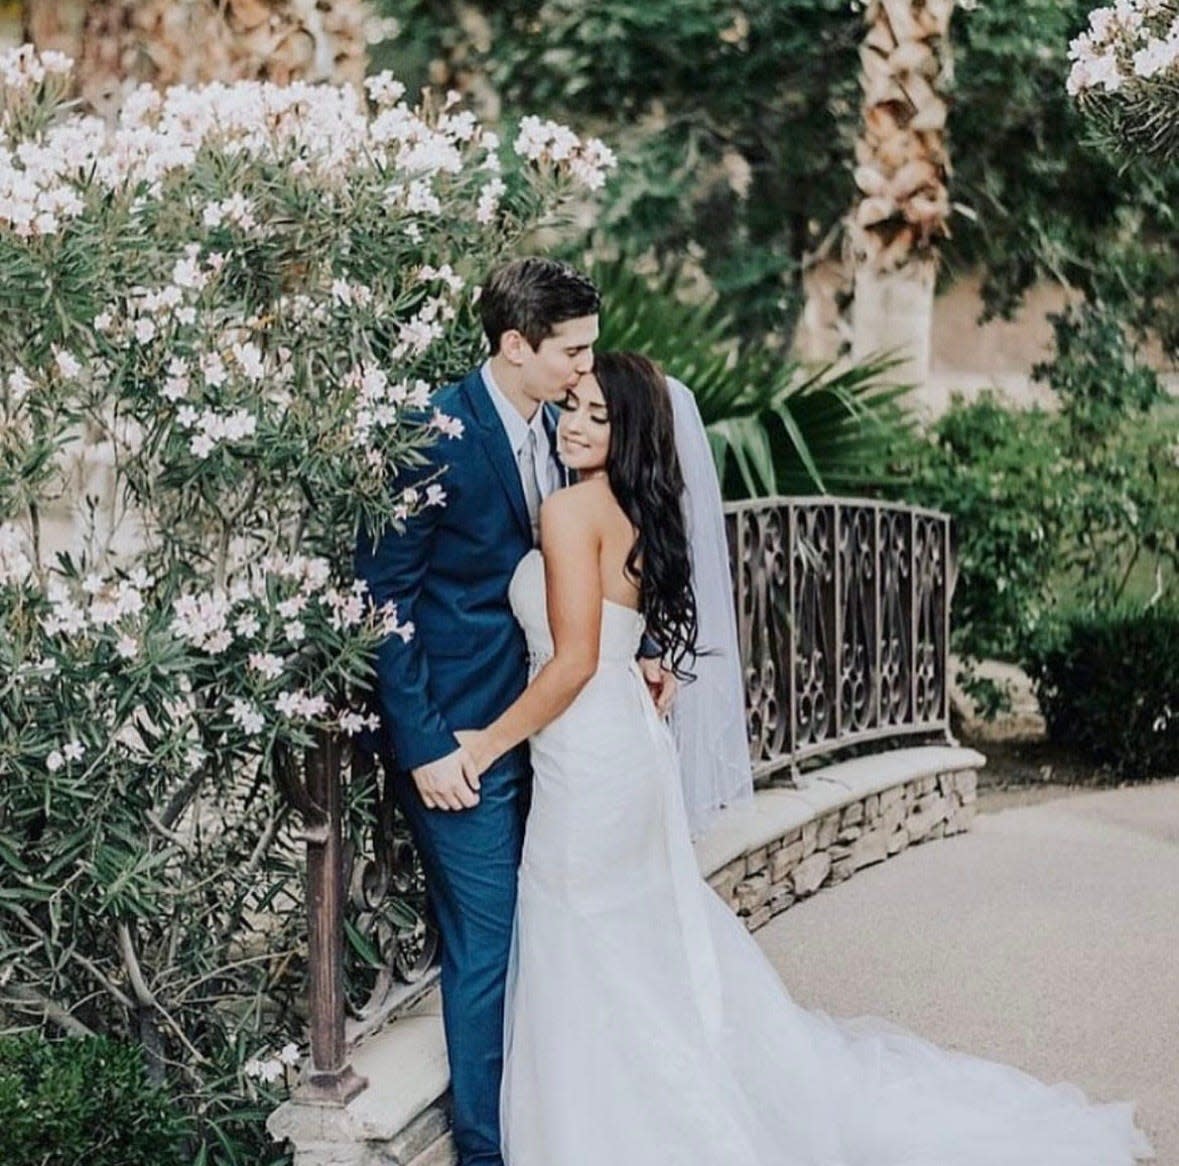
384	89
201	445
218	642
444	274
489	199
247	717
347	609
389	625
15	565
268	665
267	1069
213	369
249	359
67	364
298	705
247	625
200	620
420	199
447	425
20	384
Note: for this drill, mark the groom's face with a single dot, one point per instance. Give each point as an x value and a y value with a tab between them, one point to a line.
550	370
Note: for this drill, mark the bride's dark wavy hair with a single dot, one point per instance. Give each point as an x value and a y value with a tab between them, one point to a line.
645	476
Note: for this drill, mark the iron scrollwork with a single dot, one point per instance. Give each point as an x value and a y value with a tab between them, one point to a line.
842	618
387	918
758	542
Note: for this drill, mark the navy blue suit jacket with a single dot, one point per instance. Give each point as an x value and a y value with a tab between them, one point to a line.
448	573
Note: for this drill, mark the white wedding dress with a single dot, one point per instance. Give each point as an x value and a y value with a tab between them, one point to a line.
644	1026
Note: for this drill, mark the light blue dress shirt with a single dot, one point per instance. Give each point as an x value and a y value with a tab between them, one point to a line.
547	473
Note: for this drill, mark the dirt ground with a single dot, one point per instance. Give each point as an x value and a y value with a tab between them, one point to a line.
1029	772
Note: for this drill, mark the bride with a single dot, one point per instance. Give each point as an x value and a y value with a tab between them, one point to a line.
644	1027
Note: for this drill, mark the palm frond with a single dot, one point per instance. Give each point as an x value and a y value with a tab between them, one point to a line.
774	425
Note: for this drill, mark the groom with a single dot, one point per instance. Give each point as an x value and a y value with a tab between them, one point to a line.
448	572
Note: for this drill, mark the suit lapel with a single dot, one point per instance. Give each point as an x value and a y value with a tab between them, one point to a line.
497	447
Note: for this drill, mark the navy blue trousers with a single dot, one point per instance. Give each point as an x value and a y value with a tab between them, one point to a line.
470	858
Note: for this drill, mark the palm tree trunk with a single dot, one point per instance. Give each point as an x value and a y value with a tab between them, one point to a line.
169	42
902	167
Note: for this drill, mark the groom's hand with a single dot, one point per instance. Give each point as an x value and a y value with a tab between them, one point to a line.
450	783
661	682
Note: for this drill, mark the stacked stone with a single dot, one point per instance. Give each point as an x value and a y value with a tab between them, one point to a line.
835	844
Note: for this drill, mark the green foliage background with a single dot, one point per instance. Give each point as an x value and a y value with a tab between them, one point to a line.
82	1100
775	426
1066	521
675	84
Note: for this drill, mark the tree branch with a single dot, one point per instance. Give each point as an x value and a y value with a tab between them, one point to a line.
29	999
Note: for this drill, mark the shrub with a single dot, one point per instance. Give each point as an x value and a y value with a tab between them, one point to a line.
1108	683
1077	508
234	302
999	475
85	1099
1118	437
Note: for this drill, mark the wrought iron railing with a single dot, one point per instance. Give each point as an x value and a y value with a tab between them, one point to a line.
843	621
843	610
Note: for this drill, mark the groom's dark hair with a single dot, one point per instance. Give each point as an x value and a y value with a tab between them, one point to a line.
532	296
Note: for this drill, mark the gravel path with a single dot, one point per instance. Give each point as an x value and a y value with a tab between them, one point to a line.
1046	937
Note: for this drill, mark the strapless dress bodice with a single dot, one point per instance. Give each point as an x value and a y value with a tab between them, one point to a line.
621	630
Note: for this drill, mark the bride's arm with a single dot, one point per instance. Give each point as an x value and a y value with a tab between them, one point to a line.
572	544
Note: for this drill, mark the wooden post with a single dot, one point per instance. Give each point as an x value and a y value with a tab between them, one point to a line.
331	1079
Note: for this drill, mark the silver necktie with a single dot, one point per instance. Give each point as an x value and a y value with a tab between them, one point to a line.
531	487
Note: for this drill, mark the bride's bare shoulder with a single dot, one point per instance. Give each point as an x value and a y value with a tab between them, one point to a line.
583	501
585	508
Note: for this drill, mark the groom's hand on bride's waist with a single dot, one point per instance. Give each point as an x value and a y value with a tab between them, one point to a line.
450	783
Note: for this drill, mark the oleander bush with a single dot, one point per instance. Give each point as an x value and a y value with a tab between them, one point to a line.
1108	685
222	316
1125	77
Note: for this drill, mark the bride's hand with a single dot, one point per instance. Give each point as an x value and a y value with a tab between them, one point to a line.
477	742
661	683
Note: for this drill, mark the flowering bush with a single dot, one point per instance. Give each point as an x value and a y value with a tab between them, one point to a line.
224	315
1125	75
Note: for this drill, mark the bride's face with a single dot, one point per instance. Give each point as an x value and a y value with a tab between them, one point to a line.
583	433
